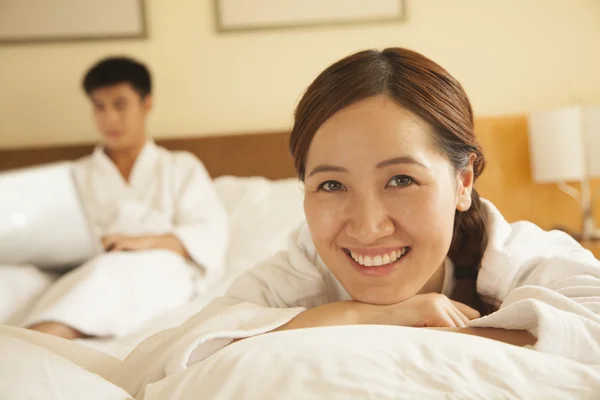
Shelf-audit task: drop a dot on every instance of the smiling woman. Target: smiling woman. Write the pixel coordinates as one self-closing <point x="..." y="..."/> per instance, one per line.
<point x="385" y="146"/>
<point x="415" y="119"/>
<point x="392" y="191"/>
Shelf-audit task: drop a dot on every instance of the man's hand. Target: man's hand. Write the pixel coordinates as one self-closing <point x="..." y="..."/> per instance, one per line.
<point x="138" y="243"/>
<point x="127" y="243"/>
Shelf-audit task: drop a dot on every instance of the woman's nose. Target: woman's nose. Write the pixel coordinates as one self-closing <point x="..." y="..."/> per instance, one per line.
<point x="369" y="220"/>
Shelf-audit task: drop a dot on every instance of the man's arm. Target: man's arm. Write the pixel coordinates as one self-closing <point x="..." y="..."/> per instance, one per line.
<point x="514" y="337"/>
<point x="137" y="243"/>
<point x="170" y="242"/>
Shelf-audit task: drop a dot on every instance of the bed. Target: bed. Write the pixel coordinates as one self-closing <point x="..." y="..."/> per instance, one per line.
<point x="254" y="177"/>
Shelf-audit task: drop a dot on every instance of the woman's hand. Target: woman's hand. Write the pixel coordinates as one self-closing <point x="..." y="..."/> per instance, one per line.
<point x="421" y="310"/>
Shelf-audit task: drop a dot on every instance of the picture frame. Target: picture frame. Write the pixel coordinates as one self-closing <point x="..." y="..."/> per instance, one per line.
<point x="43" y="21"/>
<point x="253" y="15"/>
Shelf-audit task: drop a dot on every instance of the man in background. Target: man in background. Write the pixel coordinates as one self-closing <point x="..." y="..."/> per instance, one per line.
<point x="161" y="223"/>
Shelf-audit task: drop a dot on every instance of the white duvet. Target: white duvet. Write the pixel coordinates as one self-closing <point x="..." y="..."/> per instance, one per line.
<point x="39" y="366"/>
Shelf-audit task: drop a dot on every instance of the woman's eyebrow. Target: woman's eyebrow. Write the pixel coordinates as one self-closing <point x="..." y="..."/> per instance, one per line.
<point x="327" y="168"/>
<point x="382" y="164"/>
<point x="400" y="160"/>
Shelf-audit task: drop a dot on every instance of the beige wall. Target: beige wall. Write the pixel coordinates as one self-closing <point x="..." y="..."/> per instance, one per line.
<point x="512" y="56"/>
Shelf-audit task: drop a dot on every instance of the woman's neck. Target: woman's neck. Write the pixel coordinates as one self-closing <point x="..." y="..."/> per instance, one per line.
<point x="435" y="284"/>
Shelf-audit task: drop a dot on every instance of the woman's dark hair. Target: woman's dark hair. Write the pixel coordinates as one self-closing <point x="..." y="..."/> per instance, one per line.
<point x="114" y="70"/>
<point x="423" y="87"/>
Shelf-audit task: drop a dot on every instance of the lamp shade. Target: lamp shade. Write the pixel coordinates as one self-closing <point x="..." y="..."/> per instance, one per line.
<point x="556" y="145"/>
<point x="591" y="128"/>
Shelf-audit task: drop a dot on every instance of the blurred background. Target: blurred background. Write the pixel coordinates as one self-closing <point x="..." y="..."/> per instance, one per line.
<point x="512" y="56"/>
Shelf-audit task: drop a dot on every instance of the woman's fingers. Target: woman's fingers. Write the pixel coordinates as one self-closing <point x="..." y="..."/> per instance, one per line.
<point x="445" y="319"/>
<point x="465" y="319"/>
<point x="467" y="311"/>
<point x="457" y="317"/>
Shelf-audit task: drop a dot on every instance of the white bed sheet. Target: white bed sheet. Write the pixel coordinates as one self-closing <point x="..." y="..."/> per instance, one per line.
<point x="38" y="366"/>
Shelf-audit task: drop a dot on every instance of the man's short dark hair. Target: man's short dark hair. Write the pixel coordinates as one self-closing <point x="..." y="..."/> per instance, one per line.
<point x="115" y="70"/>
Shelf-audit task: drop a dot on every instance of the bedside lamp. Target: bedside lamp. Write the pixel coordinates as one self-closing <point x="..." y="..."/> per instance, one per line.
<point x="565" y="147"/>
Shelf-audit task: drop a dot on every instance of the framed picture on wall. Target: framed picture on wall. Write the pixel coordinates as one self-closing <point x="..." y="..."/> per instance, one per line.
<point x="34" y="21"/>
<point x="242" y="15"/>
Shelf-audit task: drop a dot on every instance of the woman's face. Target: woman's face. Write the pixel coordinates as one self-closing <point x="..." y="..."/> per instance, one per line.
<point x="380" y="199"/>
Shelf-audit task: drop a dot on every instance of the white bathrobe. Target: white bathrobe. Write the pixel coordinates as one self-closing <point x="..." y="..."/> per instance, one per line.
<point x="168" y="192"/>
<point x="544" y="282"/>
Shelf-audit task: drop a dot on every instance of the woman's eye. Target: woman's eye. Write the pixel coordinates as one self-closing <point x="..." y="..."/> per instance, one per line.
<point x="331" y="186"/>
<point x="400" y="181"/>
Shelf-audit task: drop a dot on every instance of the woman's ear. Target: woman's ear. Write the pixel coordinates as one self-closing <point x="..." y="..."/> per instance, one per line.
<point x="466" y="178"/>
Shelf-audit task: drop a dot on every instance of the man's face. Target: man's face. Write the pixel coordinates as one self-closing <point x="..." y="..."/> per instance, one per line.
<point x="120" y="115"/>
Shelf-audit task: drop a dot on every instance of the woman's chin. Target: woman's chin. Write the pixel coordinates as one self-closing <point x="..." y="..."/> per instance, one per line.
<point x="375" y="296"/>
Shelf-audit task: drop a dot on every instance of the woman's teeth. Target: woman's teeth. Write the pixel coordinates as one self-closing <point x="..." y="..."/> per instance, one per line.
<point x="378" y="260"/>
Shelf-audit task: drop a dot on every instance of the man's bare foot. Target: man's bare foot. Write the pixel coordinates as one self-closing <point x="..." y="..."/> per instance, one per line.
<point x="57" y="329"/>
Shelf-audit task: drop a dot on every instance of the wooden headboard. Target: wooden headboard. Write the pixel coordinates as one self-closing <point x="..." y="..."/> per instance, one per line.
<point x="506" y="181"/>
<point x="257" y="154"/>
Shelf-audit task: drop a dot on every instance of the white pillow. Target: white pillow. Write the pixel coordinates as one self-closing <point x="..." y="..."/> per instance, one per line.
<point x="262" y="213"/>
<point x="377" y="362"/>
<point x="31" y="369"/>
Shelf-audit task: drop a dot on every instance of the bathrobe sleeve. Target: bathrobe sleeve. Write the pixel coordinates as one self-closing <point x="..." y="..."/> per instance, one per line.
<point x="200" y="220"/>
<point x="543" y="282"/>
